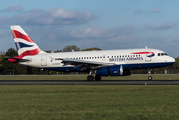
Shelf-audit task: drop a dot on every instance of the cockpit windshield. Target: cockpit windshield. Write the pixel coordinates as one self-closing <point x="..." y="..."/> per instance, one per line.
<point x="163" y="54"/>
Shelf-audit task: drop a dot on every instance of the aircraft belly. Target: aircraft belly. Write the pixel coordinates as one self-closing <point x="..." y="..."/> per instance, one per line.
<point x="149" y="65"/>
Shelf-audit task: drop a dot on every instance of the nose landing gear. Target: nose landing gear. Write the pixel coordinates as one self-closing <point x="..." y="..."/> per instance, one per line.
<point x="150" y="78"/>
<point x="149" y="72"/>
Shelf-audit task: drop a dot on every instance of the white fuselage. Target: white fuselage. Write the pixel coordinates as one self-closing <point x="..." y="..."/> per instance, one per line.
<point x="133" y="58"/>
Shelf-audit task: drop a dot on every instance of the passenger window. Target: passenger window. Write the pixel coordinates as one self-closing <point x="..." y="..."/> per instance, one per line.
<point x="158" y="54"/>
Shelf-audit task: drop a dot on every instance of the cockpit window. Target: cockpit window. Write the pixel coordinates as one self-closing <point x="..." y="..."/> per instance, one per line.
<point x="163" y="54"/>
<point x="166" y="54"/>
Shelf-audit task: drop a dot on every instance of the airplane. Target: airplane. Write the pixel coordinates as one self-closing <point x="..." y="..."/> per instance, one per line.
<point x="101" y="63"/>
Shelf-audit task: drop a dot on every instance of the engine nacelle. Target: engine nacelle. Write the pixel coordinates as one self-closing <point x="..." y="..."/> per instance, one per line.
<point x="116" y="70"/>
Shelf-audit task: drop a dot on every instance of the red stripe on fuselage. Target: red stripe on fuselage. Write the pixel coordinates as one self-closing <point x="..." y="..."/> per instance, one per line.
<point x="143" y="53"/>
<point x="17" y="34"/>
<point x="30" y="52"/>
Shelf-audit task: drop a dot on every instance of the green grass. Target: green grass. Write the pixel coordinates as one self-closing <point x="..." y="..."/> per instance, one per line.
<point x="84" y="77"/>
<point x="71" y="102"/>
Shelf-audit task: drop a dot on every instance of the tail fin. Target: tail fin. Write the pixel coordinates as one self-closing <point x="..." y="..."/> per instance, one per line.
<point x="24" y="44"/>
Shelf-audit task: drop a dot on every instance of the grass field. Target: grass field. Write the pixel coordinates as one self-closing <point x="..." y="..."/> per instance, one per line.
<point x="84" y="77"/>
<point x="71" y="102"/>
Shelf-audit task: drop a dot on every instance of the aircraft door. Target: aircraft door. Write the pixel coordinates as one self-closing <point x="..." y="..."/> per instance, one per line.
<point x="148" y="55"/>
<point x="44" y="60"/>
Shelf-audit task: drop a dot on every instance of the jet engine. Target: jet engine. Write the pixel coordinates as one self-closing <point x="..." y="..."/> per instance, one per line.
<point x="116" y="70"/>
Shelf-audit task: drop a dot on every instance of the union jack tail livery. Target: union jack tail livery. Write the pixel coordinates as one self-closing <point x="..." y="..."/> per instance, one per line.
<point x="24" y="44"/>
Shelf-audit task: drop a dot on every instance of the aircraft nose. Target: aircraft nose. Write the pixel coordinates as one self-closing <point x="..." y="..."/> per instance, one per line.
<point x="172" y="60"/>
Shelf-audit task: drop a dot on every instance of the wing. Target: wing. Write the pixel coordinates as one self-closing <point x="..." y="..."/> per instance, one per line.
<point x="84" y="64"/>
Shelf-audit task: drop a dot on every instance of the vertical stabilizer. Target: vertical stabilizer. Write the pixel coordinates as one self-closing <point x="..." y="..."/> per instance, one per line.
<point x="24" y="44"/>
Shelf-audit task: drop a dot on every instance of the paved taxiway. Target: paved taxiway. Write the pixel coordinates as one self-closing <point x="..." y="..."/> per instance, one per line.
<point x="85" y="82"/>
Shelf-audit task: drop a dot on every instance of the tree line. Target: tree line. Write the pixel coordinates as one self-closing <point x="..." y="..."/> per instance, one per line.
<point x="8" y="68"/>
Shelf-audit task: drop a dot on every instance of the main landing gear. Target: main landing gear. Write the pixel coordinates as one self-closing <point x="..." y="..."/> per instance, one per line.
<point x="91" y="78"/>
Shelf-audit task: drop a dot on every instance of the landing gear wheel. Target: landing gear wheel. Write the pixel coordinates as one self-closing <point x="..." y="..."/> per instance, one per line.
<point x="150" y="77"/>
<point x="97" y="78"/>
<point x="90" y="78"/>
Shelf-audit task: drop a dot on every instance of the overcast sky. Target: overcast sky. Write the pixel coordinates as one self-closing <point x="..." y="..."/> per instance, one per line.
<point x="107" y="24"/>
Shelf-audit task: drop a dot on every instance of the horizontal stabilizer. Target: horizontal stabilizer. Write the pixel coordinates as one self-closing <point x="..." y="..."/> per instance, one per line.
<point x="17" y="59"/>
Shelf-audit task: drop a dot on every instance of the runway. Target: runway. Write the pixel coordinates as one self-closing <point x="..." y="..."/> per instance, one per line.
<point x="85" y="82"/>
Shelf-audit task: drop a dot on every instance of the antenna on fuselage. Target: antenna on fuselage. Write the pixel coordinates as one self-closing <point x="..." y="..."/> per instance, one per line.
<point x="72" y="50"/>
<point x="146" y="47"/>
